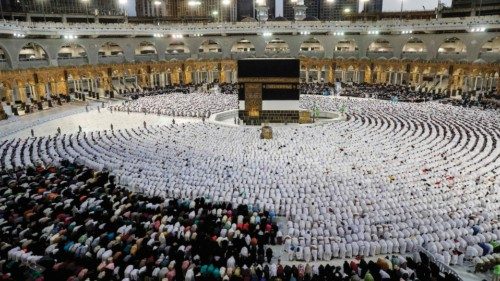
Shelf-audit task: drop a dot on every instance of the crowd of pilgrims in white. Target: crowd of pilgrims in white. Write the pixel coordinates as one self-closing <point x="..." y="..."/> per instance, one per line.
<point x="392" y="177"/>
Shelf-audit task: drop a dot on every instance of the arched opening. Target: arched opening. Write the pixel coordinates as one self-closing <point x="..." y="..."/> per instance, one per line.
<point x="452" y="46"/>
<point x="145" y="48"/>
<point x="72" y="50"/>
<point x="111" y="53"/>
<point x="414" y="45"/>
<point x="146" y="51"/>
<point x="380" y="46"/>
<point x="492" y="46"/>
<point x="210" y="46"/>
<point x="311" y="45"/>
<point x="110" y="49"/>
<point x="71" y="54"/>
<point x="348" y="45"/>
<point x="4" y="60"/>
<point x="277" y="46"/>
<point x="32" y="52"/>
<point x="177" y="48"/>
<point x="243" y="46"/>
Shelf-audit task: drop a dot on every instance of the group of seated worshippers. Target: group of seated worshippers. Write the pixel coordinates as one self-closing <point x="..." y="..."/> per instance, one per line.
<point x="224" y="88"/>
<point x="316" y="88"/>
<point x="69" y="222"/>
<point x="365" y="90"/>
<point x="185" y="105"/>
<point x="388" y="92"/>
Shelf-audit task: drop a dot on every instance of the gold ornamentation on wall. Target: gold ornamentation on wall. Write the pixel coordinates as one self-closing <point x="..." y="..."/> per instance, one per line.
<point x="253" y="99"/>
<point x="57" y="77"/>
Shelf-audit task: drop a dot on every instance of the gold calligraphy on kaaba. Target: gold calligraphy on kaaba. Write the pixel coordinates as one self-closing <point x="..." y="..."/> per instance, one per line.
<point x="253" y="99"/>
<point x="278" y="86"/>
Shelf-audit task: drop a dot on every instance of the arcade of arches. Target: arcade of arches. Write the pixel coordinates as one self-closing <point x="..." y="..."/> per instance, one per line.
<point x="19" y="85"/>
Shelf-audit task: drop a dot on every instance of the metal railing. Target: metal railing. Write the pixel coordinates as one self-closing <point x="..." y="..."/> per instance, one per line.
<point x="442" y="266"/>
<point x="392" y="25"/>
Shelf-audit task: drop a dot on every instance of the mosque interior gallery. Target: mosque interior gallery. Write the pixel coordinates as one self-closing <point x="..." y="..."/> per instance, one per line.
<point x="221" y="141"/>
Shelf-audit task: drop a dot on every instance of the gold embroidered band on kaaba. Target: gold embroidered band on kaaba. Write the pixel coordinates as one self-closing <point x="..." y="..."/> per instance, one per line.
<point x="268" y="80"/>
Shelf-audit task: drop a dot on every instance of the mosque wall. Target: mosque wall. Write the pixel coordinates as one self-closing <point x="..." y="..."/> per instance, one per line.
<point x="35" y="83"/>
<point x="125" y="49"/>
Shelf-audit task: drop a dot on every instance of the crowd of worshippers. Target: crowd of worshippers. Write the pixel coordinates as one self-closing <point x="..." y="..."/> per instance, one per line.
<point x="224" y="88"/>
<point x="482" y="100"/>
<point x="365" y="90"/>
<point x="69" y="222"/>
<point x="177" y="104"/>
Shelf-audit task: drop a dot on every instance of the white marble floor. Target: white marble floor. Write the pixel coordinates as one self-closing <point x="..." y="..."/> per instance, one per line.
<point x="69" y="118"/>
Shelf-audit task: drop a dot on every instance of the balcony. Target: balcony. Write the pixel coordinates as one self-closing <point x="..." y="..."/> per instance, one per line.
<point x="377" y="55"/>
<point x="72" y="61"/>
<point x="345" y="54"/>
<point x="210" y="55"/>
<point x="490" y="57"/>
<point x="312" y="54"/>
<point x="146" y="57"/>
<point x="33" y="63"/>
<point x="414" y="55"/>
<point x="4" y="65"/>
<point x="177" y="56"/>
<point x="451" y="56"/>
<point x="242" y="55"/>
<point x="111" y="59"/>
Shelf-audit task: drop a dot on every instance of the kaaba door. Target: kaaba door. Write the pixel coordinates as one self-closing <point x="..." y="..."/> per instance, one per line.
<point x="253" y="99"/>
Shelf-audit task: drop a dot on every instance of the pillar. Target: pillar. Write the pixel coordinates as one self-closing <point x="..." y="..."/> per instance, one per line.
<point x="331" y="75"/>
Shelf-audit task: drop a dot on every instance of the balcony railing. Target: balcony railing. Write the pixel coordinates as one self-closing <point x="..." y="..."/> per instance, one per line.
<point x="112" y="59"/>
<point x="72" y="61"/>
<point x="389" y="25"/>
<point x="146" y="57"/>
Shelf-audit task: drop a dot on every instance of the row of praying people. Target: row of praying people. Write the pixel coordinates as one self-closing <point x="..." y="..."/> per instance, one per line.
<point x="389" y="179"/>
<point x="68" y="222"/>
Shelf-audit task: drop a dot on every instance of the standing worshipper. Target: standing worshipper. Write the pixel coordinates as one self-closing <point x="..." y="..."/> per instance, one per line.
<point x="79" y="128"/>
<point x="144" y="123"/>
<point x="111" y="127"/>
<point x="58" y="130"/>
<point x="32" y="133"/>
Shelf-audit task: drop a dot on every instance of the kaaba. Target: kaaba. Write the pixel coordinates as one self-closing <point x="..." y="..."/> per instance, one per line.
<point x="268" y="91"/>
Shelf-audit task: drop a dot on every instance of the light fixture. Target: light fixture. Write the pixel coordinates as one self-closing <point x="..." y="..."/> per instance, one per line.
<point x="177" y="36"/>
<point x="478" y="29"/>
<point x="226" y="2"/>
<point x="193" y="3"/>
<point x="267" y="34"/>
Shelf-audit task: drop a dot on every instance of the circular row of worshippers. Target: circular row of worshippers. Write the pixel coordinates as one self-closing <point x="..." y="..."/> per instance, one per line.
<point x="438" y="236"/>
<point x="72" y="223"/>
